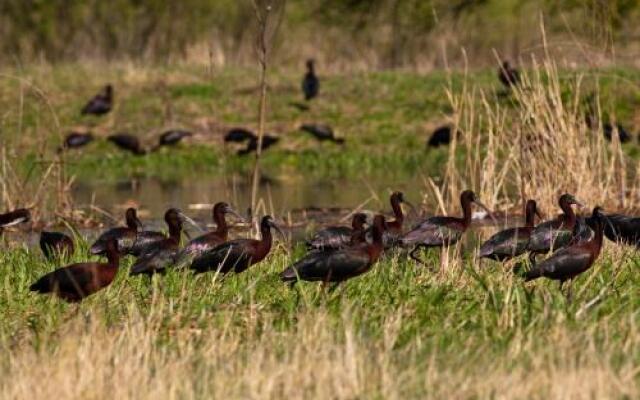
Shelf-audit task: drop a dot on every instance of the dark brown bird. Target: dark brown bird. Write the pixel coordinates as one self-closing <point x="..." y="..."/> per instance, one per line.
<point x="513" y="242"/>
<point x="159" y="255"/>
<point x="237" y="255"/>
<point x="145" y="240"/>
<point x="267" y="141"/>
<point x="211" y="239"/>
<point x="14" y="217"/>
<point x="556" y="233"/>
<point x="127" y="142"/>
<point x="441" y="136"/>
<point x="310" y="82"/>
<point x="77" y="281"/>
<point x="125" y="236"/>
<point x="394" y="228"/>
<point x="571" y="261"/>
<point x="620" y="228"/>
<point x="337" y="237"/>
<point x="75" y="140"/>
<point x="508" y="75"/>
<point x="441" y="231"/>
<point x="239" y="135"/>
<point x="101" y="103"/>
<point x="56" y="245"/>
<point x="340" y="264"/>
<point x="173" y="137"/>
<point x="322" y="132"/>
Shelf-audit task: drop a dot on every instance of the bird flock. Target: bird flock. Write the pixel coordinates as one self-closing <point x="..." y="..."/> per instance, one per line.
<point x="569" y="243"/>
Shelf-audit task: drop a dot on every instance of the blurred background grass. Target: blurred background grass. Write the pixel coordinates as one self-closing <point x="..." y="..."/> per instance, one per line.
<point x="369" y="34"/>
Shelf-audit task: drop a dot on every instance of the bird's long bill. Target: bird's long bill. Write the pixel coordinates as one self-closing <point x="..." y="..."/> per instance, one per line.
<point x="579" y="203"/>
<point x="413" y="208"/>
<point x="191" y="222"/>
<point x="277" y="228"/>
<point x="539" y="214"/>
<point x="237" y="215"/>
<point x="489" y="212"/>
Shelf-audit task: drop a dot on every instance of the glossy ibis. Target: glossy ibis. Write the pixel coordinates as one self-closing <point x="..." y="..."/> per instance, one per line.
<point x="338" y="265"/>
<point x="125" y="236"/>
<point x="441" y="136"/>
<point x="393" y="231"/>
<point x="336" y="237"/>
<point x="127" y="142"/>
<point x="608" y="130"/>
<point x="159" y="255"/>
<point x="145" y="240"/>
<point x="267" y="141"/>
<point x="55" y="245"/>
<point x="321" y="132"/>
<point x="237" y="255"/>
<point x="173" y="137"/>
<point x="569" y="262"/>
<point x="211" y="239"/>
<point x="441" y="231"/>
<point x="239" y="135"/>
<point x="101" y="103"/>
<point x="555" y="233"/>
<point x="620" y="228"/>
<point x="75" y="140"/>
<point x="14" y="217"/>
<point x="513" y="242"/>
<point x="508" y="75"/>
<point x="77" y="281"/>
<point x="310" y="82"/>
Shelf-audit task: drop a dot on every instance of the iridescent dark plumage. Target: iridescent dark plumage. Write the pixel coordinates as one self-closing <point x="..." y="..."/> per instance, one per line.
<point x="161" y="254"/>
<point x="567" y="263"/>
<point x="55" y="245"/>
<point x="508" y="75"/>
<point x="127" y="142"/>
<point x="336" y="237"/>
<point x="145" y="240"/>
<point x="101" y="103"/>
<point x="267" y="141"/>
<point x="237" y="255"/>
<point x="441" y="231"/>
<point x="322" y="132"/>
<point x="75" y="140"/>
<point x="77" y="281"/>
<point x="556" y="233"/>
<point x="125" y="236"/>
<point x="512" y="242"/>
<point x="440" y="136"/>
<point x="14" y="217"/>
<point x="341" y="264"/>
<point x="173" y="137"/>
<point x="620" y="228"/>
<point x="310" y="82"/>
<point x="239" y="135"/>
<point x="209" y="240"/>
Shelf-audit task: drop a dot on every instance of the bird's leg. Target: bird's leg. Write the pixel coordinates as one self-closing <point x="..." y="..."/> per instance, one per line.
<point x="569" y="291"/>
<point x="415" y="257"/>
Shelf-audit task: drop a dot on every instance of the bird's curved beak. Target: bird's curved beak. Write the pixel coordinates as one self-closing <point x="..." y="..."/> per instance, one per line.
<point x="489" y="212"/>
<point x="413" y="208"/>
<point x="578" y="203"/>
<point x="539" y="214"/>
<point x="277" y="228"/>
<point x="190" y="221"/>
<point x="233" y="212"/>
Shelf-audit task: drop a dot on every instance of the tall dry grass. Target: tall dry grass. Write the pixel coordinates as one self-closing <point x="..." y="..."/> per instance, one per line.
<point x="534" y="142"/>
<point x="318" y="359"/>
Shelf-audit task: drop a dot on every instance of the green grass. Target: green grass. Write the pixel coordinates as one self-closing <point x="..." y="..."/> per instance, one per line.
<point x="386" y="117"/>
<point x="463" y="321"/>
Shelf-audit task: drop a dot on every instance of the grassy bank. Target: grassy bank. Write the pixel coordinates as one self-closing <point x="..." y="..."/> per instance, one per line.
<point x="401" y="331"/>
<point x="386" y="117"/>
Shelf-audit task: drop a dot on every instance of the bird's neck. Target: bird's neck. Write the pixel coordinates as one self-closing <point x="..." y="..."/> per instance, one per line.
<point x="397" y="212"/>
<point x="175" y="232"/>
<point x="264" y="244"/>
<point x="221" y="224"/>
<point x="530" y="218"/>
<point x="569" y="215"/>
<point x="113" y="258"/>
<point x="466" y="214"/>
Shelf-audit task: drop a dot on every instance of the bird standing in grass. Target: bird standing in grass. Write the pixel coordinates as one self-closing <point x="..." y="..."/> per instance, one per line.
<point x="310" y="82"/>
<point x="569" y="262"/>
<point x="513" y="242"/>
<point x="161" y="254"/>
<point x="340" y="264"/>
<point x="77" y="281"/>
<point x="55" y="245"/>
<point x="101" y="103"/>
<point x="125" y="235"/>
<point x="237" y="255"/>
